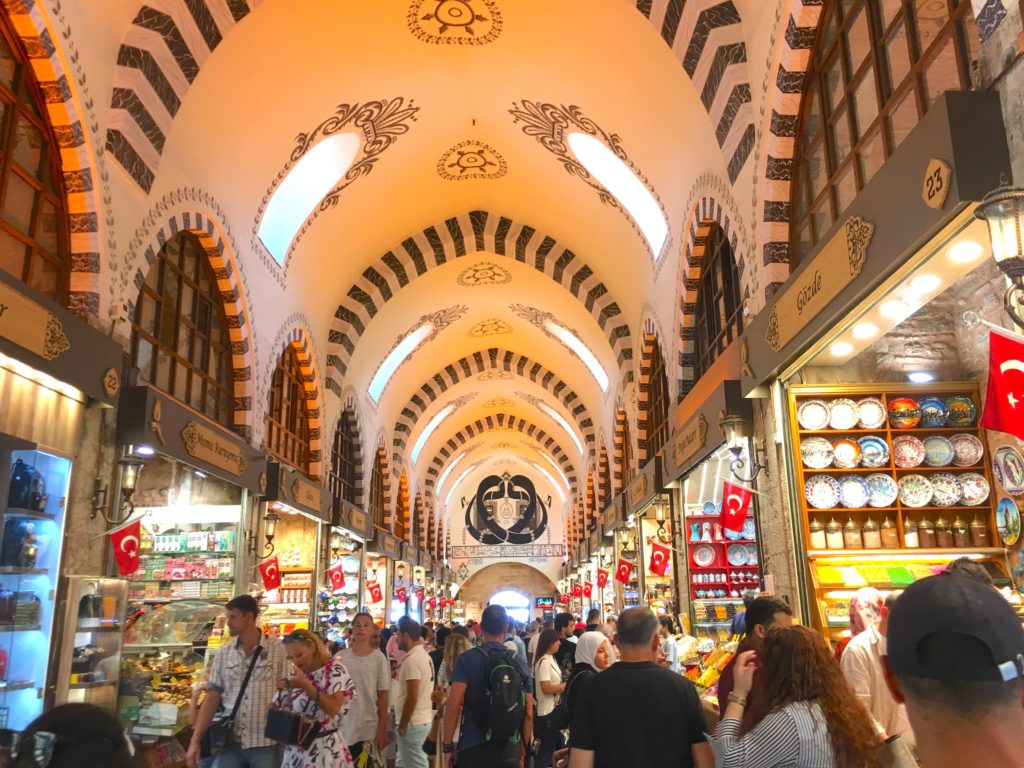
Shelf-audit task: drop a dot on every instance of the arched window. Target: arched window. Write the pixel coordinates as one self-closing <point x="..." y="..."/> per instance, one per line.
<point x="657" y="403"/>
<point x="345" y="480"/>
<point x="417" y="522"/>
<point x="719" y="314"/>
<point x="34" y="242"/>
<point x="180" y="340"/>
<point x="377" y="491"/>
<point x="591" y="509"/>
<point x="624" y="456"/>
<point x="287" y="420"/>
<point x="402" y="511"/>
<point x="605" y="475"/>
<point x="877" y="66"/>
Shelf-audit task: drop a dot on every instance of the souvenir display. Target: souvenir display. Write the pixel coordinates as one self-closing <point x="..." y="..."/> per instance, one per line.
<point x="874" y="451"/>
<point x="843" y="414"/>
<point x="1008" y="521"/>
<point x="938" y="451"/>
<point x="817" y="534"/>
<point x="749" y="529"/>
<point x="1009" y="467"/>
<point x="704" y="556"/>
<point x="813" y="415"/>
<point x="872" y="535"/>
<point x="846" y="453"/>
<point x="890" y="535"/>
<point x="834" y="535"/>
<point x="915" y="491"/>
<point x="933" y="413"/>
<point x="974" y="489"/>
<point x="962" y="411"/>
<point x="871" y="413"/>
<point x="882" y="490"/>
<point x="816" y="453"/>
<point x="904" y="413"/>
<point x="967" y="449"/>
<point x="736" y="554"/>
<point x="853" y="492"/>
<point x="852" y="538"/>
<point x="910" y="539"/>
<point x="709" y="508"/>
<point x="907" y="451"/>
<point x="945" y="489"/>
<point x="822" y="492"/>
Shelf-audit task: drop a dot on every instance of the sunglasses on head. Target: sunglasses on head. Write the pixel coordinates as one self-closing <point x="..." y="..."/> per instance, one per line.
<point x="39" y="746"/>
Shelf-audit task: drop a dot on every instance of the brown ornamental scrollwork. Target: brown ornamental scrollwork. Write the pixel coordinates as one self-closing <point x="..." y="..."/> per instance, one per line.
<point x="454" y="22"/>
<point x="771" y="334"/>
<point x="56" y="342"/>
<point x="484" y="273"/>
<point x="858" y="237"/>
<point x="492" y="326"/>
<point x="471" y="160"/>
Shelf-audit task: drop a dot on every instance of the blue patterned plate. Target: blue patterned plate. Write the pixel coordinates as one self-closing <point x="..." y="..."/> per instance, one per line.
<point x="938" y="451"/>
<point x="882" y="490"/>
<point x="822" y="492"/>
<point x="853" y="491"/>
<point x="933" y="412"/>
<point x="874" y="451"/>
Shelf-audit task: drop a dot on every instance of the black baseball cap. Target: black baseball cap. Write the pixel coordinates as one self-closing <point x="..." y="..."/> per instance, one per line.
<point x="950" y="627"/>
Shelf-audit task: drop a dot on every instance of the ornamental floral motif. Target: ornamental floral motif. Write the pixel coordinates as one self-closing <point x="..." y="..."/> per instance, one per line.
<point x="541" y="318"/>
<point x="771" y="334"/>
<point x="471" y="160"/>
<point x="492" y="326"/>
<point x="454" y="22"/>
<point x="56" y="342"/>
<point x="858" y="237"/>
<point x="499" y="402"/>
<point x="495" y="375"/>
<point x="484" y="273"/>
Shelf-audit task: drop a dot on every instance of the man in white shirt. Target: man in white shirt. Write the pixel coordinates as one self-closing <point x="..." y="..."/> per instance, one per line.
<point x="861" y="663"/>
<point x="413" y="706"/>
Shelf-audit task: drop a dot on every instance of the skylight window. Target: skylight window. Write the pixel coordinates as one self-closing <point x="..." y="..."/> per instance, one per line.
<point x="568" y="338"/>
<point x="429" y="430"/>
<point x="562" y="422"/>
<point x="557" y="487"/>
<point x="303" y="188"/>
<point x="444" y="475"/>
<point x="558" y="469"/>
<point x="619" y="179"/>
<point x="455" y="485"/>
<point x="396" y="357"/>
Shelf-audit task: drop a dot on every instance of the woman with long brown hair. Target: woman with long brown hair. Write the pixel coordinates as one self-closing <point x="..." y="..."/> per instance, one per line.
<point x="804" y="715"/>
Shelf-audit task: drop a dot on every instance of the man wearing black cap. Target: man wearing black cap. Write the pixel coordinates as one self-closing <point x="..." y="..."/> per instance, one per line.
<point x="956" y="657"/>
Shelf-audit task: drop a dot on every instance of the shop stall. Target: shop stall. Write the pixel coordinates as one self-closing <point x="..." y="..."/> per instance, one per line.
<point x="600" y="554"/>
<point x="338" y="597"/>
<point x="876" y="374"/>
<point x="614" y="526"/>
<point x="654" y="551"/>
<point x="303" y="509"/>
<point x="403" y="583"/>
<point x="382" y="554"/>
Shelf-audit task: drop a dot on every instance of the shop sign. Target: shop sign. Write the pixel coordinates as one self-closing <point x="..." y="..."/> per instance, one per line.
<point x="935" y="187"/>
<point x="206" y="445"/>
<point x="690" y="440"/>
<point x="638" y="490"/>
<point x="357" y="520"/>
<point x="595" y="541"/>
<point x="837" y="264"/>
<point x="307" y="494"/>
<point x="387" y="545"/>
<point x="31" y="325"/>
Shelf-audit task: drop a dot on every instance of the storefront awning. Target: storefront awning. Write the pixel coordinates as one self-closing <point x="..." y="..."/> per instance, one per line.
<point x="645" y="486"/>
<point x="290" y="487"/>
<point x="701" y="434"/>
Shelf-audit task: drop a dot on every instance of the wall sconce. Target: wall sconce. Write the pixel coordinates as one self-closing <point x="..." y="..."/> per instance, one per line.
<point x="734" y="429"/>
<point x="1003" y="210"/>
<point x="270" y="521"/>
<point x="130" y="470"/>
<point x="400" y="572"/>
<point x="335" y="542"/>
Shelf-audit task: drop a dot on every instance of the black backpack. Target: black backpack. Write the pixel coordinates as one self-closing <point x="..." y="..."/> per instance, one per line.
<point x="502" y="708"/>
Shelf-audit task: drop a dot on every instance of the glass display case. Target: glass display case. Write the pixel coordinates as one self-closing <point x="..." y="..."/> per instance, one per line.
<point x="164" y="653"/>
<point x="625" y="541"/>
<point x="339" y="606"/>
<point x="377" y="586"/>
<point x="89" y="658"/>
<point x="290" y="606"/>
<point x="30" y="554"/>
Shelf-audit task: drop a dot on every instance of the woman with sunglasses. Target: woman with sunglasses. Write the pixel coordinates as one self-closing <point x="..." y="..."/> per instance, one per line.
<point x="318" y="687"/>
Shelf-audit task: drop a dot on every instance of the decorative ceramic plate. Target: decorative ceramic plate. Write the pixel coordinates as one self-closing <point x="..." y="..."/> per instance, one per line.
<point x="962" y="411"/>
<point x="708" y="508"/>
<point x="1010" y="465"/>
<point x="843" y="414"/>
<point x="974" y="489"/>
<point x="813" y="414"/>
<point x="751" y="554"/>
<point x="874" y="451"/>
<point x="933" y="412"/>
<point x="846" y="453"/>
<point x="945" y="489"/>
<point x="938" y="451"/>
<point x="882" y="490"/>
<point x="904" y="413"/>
<point x="854" y="492"/>
<point x="816" y="452"/>
<point x="350" y="564"/>
<point x="915" y="490"/>
<point x="907" y="451"/>
<point x="733" y="535"/>
<point x="871" y="413"/>
<point x="736" y="554"/>
<point x="967" y="449"/>
<point x="703" y="555"/>
<point x="750" y="529"/>
<point x="822" y="492"/>
<point x="1008" y="521"/>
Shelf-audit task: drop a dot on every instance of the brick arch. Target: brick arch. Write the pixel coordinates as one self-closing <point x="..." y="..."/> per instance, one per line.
<point x="158" y="60"/>
<point x="298" y="338"/>
<point x="465" y="235"/>
<point x="403" y="511"/>
<point x="604" y="477"/>
<point x="77" y="154"/>
<point x="233" y="298"/>
<point x="492" y="358"/>
<point x="350" y="411"/>
<point x="706" y="36"/>
<point x="380" y="454"/>
<point x="623" y="439"/>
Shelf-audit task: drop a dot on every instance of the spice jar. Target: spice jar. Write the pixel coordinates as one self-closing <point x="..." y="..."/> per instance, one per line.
<point x="926" y="533"/>
<point x="979" y="533"/>
<point x="872" y="536"/>
<point x="961" y="535"/>
<point x="910" y="539"/>
<point x="852" y="538"/>
<point x="890" y="536"/>
<point x="834" y="535"/>
<point x="817" y="531"/>
<point x="943" y="533"/>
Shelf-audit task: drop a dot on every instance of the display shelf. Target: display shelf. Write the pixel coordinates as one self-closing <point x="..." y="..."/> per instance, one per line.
<point x="150" y="647"/>
<point x="181" y="552"/>
<point x="33" y="513"/>
<point x="20" y="627"/>
<point x="175" y="581"/>
<point x="904" y="553"/>
<point x="156" y="730"/>
<point x="92" y="684"/>
<point x="16" y="686"/>
<point x="7" y="570"/>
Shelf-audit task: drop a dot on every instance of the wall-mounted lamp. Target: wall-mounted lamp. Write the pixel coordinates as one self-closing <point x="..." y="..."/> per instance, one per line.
<point x="734" y="429"/>
<point x="1003" y="210"/>
<point x="335" y="542"/>
<point x="400" y="572"/>
<point x="130" y="469"/>
<point x="270" y="521"/>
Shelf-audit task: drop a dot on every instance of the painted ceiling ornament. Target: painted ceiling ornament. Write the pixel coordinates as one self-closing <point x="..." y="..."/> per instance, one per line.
<point x="551" y="124"/>
<point x="499" y="402"/>
<point x="506" y="510"/>
<point x="454" y="22"/>
<point x="491" y="326"/>
<point x="484" y="273"/>
<point x="540" y="318"/>
<point x="463" y="572"/>
<point x="495" y="375"/>
<point x="440" y="319"/>
<point x="471" y="160"/>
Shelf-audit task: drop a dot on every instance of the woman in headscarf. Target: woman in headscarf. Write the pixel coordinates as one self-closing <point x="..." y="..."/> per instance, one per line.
<point x="593" y="653"/>
<point x="865" y="611"/>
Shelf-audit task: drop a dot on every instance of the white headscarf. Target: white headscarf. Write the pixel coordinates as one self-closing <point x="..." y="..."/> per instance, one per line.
<point x="588" y="646"/>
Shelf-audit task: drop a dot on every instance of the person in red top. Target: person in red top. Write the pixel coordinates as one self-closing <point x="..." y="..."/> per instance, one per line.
<point x="762" y="614"/>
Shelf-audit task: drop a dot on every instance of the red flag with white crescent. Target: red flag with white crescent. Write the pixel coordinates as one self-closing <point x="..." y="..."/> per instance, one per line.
<point x="577" y="590"/>
<point x="419" y="594"/>
<point x="735" y="503"/>
<point x="1004" y="405"/>
<point x="376" y="593"/>
<point x="660" y="558"/>
<point x="401" y="594"/>
<point x="588" y="589"/>
<point x="602" y="578"/>
<point x="563" y="599"/>
<point x="433" y="603"/>
<point x="270" y="572"/>
<point x="337" y="577"/>
<point x="622" y="572"/>
<point x="126" y="548"/>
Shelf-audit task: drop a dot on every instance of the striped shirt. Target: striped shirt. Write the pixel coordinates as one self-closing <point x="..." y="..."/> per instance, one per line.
<point x="793" y="736"/>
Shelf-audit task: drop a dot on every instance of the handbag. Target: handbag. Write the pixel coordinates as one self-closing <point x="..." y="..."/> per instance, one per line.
<point x="558" y="718"/>
<point x="221" y="733"/>
<point x="433" y="736"/>
<point x="293" y="728"/>
<point x="896" y="753"/>
<point x="370" y="757"/>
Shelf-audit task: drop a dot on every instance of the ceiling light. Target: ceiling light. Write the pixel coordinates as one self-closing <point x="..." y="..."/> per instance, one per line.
<point x="396" y="357"/>
<point x="921" y="377"/>
<point x="568" y="338"/>
<point x="303" y="188"/>
<point x="619" y="179"/>
<point x="966" y="251"/>
<point x="864" y="330"/>
<point x="429" y="430"/>
<point x="895" y="310"/>
<point x="562" y="422"/>
<point x="143" y="450"/>
<point x="841" y="349"/>
<point x="925" y="284"/>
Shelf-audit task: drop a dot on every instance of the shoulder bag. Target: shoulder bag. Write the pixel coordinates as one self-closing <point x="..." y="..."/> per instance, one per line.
<point x="221" y="732"/>
<point x="292" y="728"/>
<point x="558" y="719"/>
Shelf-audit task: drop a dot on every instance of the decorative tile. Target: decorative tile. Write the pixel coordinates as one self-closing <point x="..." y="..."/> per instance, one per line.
<point x="454" y="22"/>
<point x="471" y="160"/>
<point x="492" y="326"/>
<point x="484" y="273"/>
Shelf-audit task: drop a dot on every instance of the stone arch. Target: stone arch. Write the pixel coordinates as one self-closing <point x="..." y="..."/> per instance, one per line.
<point x="380" y="455"/>
<point x="492" y="358"/>
<point x="706" y="36"/>
<point x="604" y="476"/>
<point x="297" y="337"/>
<point x="625" y="448"/>
<point x="77" y="155"/>
<point x="403" y="508"/>
<point x="350" y="412"/>
<point x="465" y="235"/>
<point x="480" y="585"/>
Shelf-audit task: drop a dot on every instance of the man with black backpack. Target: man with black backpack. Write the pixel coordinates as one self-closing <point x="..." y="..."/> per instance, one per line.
<point x="490" y="696"/>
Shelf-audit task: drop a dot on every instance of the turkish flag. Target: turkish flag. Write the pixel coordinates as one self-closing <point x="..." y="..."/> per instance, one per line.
<point x="376" y="593"/>
<point x="563" y="599"/>
<point x="577" y="590"/>
<point x="419" y="594"/>
<point x="401" y="594"/>
<point x="736" y="502"/>
<point x="126" y="548"/>
<point x="602" y="578"/>
<point x="337" y="577"/>
<point x="432" y="603"/>
<point x="270" y="571"/>
<point x="588" y="589"/>
<point x="623" y="570"/>
<point x="1004" y="406"/>
<point x="660" y="558"/>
